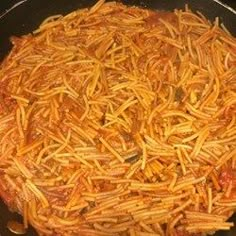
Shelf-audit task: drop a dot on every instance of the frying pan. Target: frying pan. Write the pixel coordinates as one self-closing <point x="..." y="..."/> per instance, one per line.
<point x="26" y="15"/>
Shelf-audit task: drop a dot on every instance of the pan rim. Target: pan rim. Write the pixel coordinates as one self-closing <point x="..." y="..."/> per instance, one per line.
<point x="18" y="4"/>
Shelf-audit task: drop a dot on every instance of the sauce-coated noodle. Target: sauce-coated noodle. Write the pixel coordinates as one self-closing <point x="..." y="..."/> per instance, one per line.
<point x="117" y="120"/>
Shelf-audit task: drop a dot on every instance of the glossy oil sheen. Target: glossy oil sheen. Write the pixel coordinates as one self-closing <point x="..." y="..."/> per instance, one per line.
<point x="27" y="16"/>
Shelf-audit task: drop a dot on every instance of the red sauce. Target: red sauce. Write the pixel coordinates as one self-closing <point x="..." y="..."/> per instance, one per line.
<point x="6" y="102"/>
<point x="4" y="195"/>
<point x="153" y="19"/>
<point x="185" y="233"/>
<point x="229" y="111"/>
<point x="226" y="176"/>
<point x="1" y="108"/>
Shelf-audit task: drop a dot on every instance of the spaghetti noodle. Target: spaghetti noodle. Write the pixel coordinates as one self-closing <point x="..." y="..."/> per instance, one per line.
<point x="118" y="120"/>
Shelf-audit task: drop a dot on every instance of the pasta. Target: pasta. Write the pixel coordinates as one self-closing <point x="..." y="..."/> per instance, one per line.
<point x="117" y="120"/>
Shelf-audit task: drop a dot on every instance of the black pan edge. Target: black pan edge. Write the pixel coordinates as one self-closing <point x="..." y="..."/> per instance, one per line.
<point x="24" y="16"/>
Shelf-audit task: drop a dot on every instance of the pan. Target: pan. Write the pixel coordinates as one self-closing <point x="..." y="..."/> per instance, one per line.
<point x="26" y="15"/>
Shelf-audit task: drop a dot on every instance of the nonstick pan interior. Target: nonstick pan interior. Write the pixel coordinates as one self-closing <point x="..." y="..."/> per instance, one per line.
<point x="27" y="16"/>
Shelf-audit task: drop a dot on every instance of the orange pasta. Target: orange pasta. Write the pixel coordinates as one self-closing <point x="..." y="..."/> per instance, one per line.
<point x="118" y="120"/>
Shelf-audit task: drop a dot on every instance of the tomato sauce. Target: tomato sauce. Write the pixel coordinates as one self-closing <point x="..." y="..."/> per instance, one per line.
<point x="6" y="102"/>
<point x="4" y="195"/>
<point x="226" y="176"/>
<point x="185" y="233"/>
<point x="153" y="19"/>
